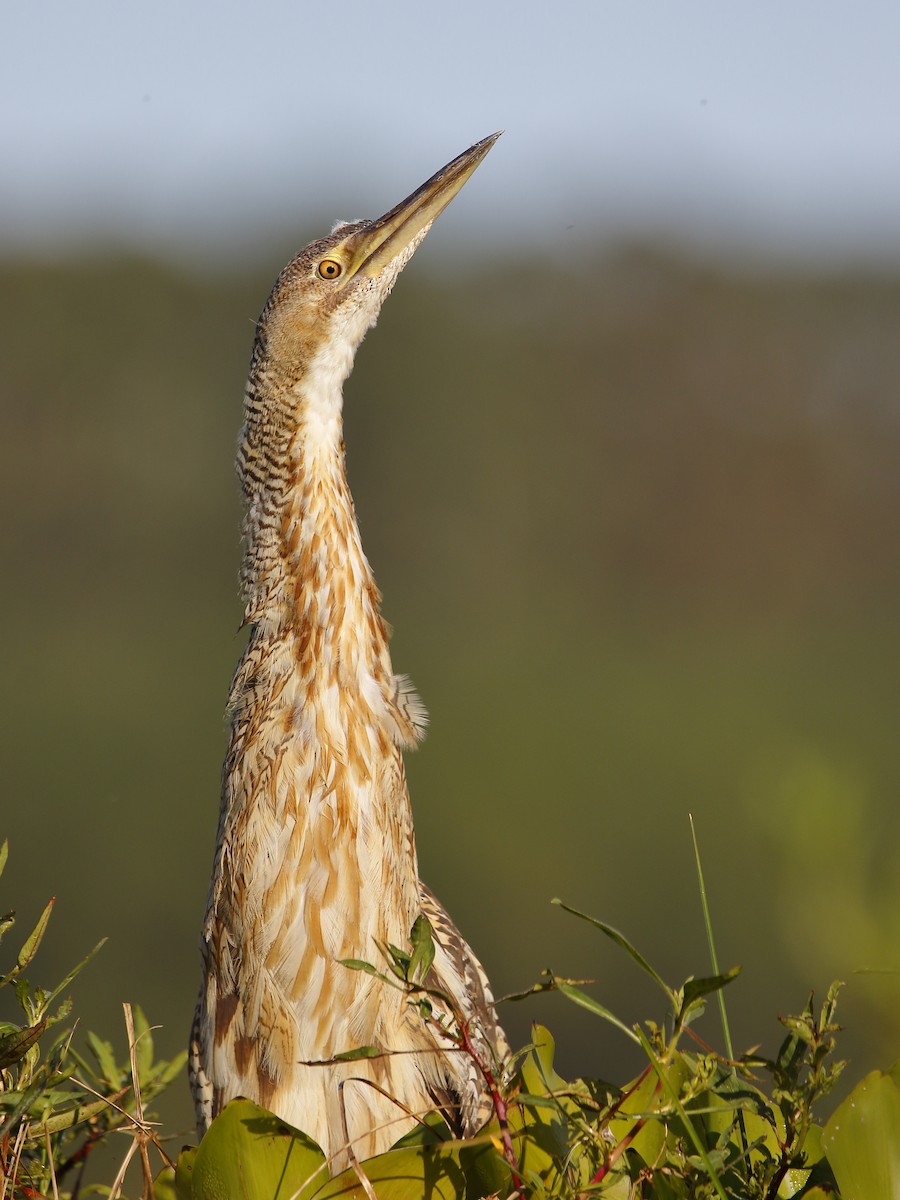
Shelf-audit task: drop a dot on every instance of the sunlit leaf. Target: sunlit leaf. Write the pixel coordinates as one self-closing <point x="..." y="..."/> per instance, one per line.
<point x="184" y="1173"/>
<point x="862" y="1140"/>
<point x="249" y="1154"/>
<point x="165" y="1187"/>
<point x="406" y="1174"/>
<point x="30" y="947"/>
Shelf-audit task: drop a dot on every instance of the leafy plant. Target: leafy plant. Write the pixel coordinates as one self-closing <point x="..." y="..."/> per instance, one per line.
<point x="56" y="1104"/>
<point x="695" y="1124"/>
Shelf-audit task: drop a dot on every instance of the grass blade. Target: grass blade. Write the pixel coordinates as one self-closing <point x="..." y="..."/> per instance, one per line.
<point x="713" y="957"/>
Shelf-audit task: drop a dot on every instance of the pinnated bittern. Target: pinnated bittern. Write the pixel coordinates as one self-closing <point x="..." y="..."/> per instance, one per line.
<point x="316" y="858"/>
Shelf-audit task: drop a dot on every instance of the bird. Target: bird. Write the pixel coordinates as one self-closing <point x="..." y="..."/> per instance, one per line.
<point x="315" y="859"/>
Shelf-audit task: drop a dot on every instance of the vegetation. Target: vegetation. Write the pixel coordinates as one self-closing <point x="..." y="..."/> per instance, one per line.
<point x="695" y="1124"/>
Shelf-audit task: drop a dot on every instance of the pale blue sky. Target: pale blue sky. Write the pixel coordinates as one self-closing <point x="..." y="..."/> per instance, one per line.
<point x="212" y="125"/>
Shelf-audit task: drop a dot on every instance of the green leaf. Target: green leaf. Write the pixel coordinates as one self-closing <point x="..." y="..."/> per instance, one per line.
<point x="422" y="949"/>
<point x="359" y="964"/>
<point x="165" y="1187"/>
<point x="249" y="1154"/>
<point x="359" y="1052"/>
<point x="407" y="1174"/>
<point x="143" y="1043"/>
<point x="61" y="987"/>
<point x="184" y="1173"/>
<point x="167" y="1071"/>
<point x="577" y="996"/>
<point x="862" y="1140"/>
<point x="29" y="949"/>
<point x="106" y="1060"/>
<point x="4" y="854"/>
<point x="538" y="1073"/>
<point x="14" y="1046"/>
<point x="431" y="1130"/>
<point x="694" y="988"/>
<point x="621" y="940"/>
<point x="692" y="1133"/>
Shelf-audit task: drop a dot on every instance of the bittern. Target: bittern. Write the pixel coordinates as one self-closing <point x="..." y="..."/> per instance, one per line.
<point x="315" y="859"/>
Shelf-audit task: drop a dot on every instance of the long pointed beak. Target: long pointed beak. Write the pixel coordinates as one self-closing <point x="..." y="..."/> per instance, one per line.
<point x="391" y="234"/>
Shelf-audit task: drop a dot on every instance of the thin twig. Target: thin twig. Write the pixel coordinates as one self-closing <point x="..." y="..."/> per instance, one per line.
<point x="49" y="1147"/>
<point x="348" y="1145"/>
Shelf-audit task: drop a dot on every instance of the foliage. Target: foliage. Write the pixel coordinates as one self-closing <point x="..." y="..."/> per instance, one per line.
<point x="696" y="1124"/>
<point x="56" y="1104"/>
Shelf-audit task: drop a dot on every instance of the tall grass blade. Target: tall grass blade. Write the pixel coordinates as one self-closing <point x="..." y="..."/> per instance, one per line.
<point x="707" y="921"/>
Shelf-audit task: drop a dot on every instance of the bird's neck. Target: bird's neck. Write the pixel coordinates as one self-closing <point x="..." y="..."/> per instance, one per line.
<point x="311" y="600"/>
<point x="305" y="573"/>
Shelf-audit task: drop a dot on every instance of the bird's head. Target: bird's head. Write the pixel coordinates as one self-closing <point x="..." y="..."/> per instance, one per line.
<point x="331" y="293"/>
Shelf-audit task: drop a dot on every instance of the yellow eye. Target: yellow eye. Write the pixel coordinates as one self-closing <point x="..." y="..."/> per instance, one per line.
<point x="329" y="268"/>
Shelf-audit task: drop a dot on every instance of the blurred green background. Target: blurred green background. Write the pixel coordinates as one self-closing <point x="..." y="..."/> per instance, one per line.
<point x="635" y="518"/>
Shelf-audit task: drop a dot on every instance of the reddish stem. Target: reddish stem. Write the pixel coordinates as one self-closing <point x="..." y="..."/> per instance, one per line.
<point x="499" y="1103"/>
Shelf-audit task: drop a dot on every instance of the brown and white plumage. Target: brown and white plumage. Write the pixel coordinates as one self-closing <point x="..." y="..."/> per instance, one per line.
<point x="316" y="859"/>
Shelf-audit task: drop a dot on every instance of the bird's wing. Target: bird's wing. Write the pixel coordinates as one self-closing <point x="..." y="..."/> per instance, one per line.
<point x="458" y="972"/>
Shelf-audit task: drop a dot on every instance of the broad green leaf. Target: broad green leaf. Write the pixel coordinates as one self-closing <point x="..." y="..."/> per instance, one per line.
<point x="431" y="1130"/>
<point x="543" y="1148"/>
<point x="862" y="1140"/>
<point x="621" y="940"/>
<point x="249" y="1154"/>
<point x="538" y="1074"/>
<point x="164" y="1186"/>
<point x="184" y="1173"/>
<point x="487" y="1171"/>
<point x="407" y="1174"/>
<point x="643" y="1100"/>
